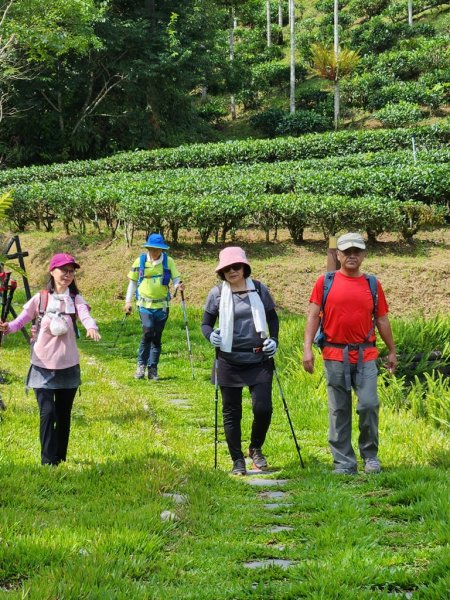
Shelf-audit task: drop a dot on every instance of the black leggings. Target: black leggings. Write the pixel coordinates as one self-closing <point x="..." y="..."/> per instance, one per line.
<point x="55" y="408"/>
<point x="232" y="414"/>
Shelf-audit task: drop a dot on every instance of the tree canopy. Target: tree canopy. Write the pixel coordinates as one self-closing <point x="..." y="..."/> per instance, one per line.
<point x="87" y="78"/>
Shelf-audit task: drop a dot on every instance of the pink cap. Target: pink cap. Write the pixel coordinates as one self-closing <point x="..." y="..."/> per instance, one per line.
<point x="231" y="256"/>
<point x="60" y="260"/>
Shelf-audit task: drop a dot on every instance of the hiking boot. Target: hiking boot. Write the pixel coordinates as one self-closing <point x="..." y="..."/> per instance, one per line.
<point x="344" y="471"/>
<point x="258" y="458"/>
<point x="372" y="465"/>
<point x="239" y="467"/>
<point x="153" y="373"/>
<point x="140" y="372"/>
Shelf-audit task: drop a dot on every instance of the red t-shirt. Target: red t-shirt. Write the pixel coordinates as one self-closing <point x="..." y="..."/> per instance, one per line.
<point x="348" y="314"/>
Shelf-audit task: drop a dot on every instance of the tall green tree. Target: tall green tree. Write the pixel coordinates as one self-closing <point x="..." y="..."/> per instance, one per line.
<point x="41" y="35"/>
<point x="121" y="81"/>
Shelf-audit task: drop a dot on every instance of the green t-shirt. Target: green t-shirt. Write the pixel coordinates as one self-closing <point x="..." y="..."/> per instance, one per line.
<point x="151" y="291"/>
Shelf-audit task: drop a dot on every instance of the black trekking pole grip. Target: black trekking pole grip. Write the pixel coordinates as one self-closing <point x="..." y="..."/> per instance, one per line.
<point x="286" y="410"/>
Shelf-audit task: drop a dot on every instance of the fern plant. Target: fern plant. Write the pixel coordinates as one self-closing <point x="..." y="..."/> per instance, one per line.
<point x="6" y="199"/>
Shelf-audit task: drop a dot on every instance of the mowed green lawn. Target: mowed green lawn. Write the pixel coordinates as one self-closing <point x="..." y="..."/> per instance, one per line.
<point x="139" y="512"/>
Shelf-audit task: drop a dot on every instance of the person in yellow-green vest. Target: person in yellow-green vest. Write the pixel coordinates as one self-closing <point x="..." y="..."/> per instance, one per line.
<point x="150" y="277"/>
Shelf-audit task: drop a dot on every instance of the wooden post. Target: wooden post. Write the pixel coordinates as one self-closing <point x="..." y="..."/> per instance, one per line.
<point x="332" y="261"/>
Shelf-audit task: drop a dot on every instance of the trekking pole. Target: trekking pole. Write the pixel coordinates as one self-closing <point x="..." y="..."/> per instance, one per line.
<point x="216" y="403"/>
<point x="287" y="414"/>
<point x="191" y="358"/>
<point x="122" y="323"/>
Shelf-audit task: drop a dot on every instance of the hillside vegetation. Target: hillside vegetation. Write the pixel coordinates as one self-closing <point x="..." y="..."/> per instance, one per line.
<point x="86" y="80"/>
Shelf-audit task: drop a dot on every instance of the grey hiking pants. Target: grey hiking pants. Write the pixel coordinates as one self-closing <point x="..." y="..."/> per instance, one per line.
<point x="340" y="412"/>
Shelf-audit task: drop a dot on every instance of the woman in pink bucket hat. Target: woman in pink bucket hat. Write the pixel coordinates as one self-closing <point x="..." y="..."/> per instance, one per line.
<point x="245" y="342"/>
<point x="54" y="374"/>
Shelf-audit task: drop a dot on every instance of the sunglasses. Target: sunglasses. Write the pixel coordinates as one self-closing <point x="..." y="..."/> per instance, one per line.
<point x="235" y="267"/>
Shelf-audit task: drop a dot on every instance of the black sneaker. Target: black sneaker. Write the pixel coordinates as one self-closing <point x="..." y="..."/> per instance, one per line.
<point x="239" y="467"/>
<point x="258" y="458"/>
<point x="153" y="373"/>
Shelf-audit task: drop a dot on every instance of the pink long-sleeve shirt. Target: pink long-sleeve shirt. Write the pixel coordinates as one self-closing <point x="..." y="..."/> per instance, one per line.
<point x="50" y="351"/>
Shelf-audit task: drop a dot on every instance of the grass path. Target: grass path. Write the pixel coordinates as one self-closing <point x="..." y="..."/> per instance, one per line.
<point x="93" y="527"/>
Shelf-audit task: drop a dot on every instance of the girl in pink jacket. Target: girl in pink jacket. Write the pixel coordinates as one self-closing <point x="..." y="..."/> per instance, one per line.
<point x="54" y="373"/>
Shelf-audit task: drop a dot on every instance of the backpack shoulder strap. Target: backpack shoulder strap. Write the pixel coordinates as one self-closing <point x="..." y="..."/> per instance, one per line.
<point x="373" y="285"/>
<point x="257" y="287"/>
<point x="73" y="316"/>
<point x="43" y="302"/>
<point x="167" y="274"/>
<point x="141" y="272"/>
<point x="327" y="283"/>
<point x="142" y="261"/>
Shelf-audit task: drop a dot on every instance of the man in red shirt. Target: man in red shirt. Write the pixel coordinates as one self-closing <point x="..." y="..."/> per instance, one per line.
<point x="350" y="354"/>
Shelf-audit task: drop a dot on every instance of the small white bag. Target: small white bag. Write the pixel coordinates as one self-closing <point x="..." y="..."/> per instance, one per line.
<point x="58" y="325"/>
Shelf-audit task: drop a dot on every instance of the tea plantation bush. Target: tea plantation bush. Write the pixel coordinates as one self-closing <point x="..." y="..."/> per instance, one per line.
<point x="308" y="146"/>
<point x="216" y="188"/>
<point x="399" y="115"/>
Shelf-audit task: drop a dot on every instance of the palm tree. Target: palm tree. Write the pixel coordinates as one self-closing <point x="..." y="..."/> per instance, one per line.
<point x="328" y="65"/>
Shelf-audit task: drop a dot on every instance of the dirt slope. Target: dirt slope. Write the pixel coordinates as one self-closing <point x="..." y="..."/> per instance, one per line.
<point x="416" y="280"/>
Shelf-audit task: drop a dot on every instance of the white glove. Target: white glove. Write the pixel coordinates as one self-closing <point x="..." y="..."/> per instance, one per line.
<point x="269" y="347"/>
<point x="215" y="338"/>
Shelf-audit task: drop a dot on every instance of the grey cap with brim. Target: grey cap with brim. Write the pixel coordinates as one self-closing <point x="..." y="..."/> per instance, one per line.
<point x="351" y="240"/>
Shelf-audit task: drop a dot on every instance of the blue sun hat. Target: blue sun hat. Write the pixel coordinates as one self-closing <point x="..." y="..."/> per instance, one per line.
<point x="156" y="240"/>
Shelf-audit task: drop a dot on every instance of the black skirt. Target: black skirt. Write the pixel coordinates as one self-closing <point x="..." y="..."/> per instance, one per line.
<point x="240" y="375"/>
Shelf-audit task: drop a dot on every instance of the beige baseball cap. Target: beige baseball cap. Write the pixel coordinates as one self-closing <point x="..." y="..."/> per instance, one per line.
<point x="351" y="240"/>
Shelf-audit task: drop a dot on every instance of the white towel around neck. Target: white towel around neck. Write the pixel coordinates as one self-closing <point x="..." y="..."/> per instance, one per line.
<point x="226" y="314"/>
<point x="54" y="303"/>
